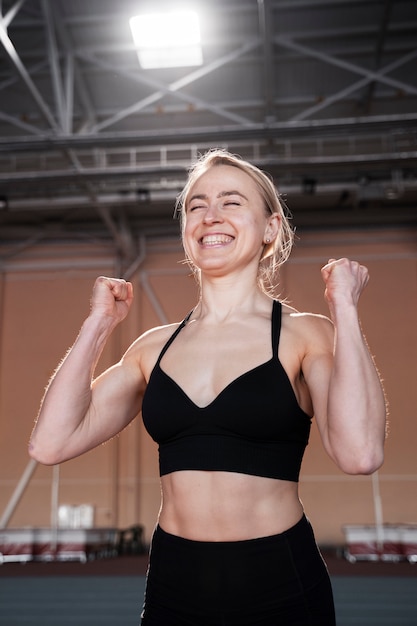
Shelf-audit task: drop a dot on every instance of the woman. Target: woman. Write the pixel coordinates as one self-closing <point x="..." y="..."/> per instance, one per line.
<point x="229" y="395"/>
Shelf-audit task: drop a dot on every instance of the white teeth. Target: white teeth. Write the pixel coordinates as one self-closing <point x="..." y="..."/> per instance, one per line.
<point x="215" y="239"/>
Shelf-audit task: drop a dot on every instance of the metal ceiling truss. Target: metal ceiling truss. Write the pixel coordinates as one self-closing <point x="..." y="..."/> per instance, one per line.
<point x="74" y="151"/>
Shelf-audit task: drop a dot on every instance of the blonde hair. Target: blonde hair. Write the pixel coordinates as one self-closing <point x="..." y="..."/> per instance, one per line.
<point x="275" y="253"/>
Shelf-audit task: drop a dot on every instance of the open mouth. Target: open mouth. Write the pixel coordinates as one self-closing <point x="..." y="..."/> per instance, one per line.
<point x="215" y="240"/>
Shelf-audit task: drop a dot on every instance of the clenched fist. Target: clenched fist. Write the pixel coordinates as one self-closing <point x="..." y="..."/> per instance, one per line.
<point x="345" y="280"/>
<point x="112" y="298"/>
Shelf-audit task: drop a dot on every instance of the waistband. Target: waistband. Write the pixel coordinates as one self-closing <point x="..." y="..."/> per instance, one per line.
<point x="290" y="534"/>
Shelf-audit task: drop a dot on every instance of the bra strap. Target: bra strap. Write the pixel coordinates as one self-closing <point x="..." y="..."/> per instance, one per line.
<point x="173" y="336"/>
<point x="276" y="326"/>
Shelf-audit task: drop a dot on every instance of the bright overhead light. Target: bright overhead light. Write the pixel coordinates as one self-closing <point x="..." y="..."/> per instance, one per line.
<point x="167" y="39"/>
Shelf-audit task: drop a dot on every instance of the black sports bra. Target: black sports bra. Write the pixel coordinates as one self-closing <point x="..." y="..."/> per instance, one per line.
<point x="254" y="426"/>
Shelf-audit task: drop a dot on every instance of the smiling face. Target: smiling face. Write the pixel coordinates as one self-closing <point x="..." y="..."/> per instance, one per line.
<point x="226" y="222"/>
<point x="255" y="191"/>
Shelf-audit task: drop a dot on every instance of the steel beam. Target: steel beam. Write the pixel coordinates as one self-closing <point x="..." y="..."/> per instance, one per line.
<point x="24" y="75"/>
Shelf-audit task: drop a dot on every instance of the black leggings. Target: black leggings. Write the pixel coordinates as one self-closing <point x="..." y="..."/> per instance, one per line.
<point x="272" y="581"/>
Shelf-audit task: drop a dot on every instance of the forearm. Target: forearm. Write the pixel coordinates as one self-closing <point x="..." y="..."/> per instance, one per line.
<point x="67" y="400"/>
<point x="356" y="412"/>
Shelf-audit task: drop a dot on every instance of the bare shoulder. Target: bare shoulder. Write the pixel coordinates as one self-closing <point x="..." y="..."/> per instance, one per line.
<point x="312" y="329"/>
<point x="146" y="348"/>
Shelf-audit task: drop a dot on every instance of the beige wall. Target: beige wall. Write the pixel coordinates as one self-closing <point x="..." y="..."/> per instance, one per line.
<point x="44" y="298"/>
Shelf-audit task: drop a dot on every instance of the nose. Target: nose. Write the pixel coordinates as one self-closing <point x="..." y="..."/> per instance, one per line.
<point x="212" y="214"/>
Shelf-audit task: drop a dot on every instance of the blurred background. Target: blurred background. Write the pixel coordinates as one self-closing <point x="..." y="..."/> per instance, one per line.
<point x="95" y="142"/>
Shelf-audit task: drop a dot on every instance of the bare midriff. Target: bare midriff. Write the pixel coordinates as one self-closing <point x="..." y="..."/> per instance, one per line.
<point x="227" y="506"/>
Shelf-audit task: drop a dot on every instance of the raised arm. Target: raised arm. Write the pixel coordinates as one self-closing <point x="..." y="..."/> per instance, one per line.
<point x="345" y="387"/>
<point x="76" y="412"/>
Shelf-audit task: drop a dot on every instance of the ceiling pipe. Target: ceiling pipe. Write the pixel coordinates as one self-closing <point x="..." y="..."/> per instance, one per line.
<point x="90" y="175"/>
<point x="305" y="129"/>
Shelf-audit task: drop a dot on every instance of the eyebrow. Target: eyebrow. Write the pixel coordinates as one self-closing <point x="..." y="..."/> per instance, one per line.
<point x="222" y="194"/>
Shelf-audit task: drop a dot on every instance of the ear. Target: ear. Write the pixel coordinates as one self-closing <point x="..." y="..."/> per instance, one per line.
<point x="272" y="228"/>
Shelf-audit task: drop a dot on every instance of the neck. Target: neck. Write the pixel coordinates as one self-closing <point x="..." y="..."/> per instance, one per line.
<point x="220" y="300"/>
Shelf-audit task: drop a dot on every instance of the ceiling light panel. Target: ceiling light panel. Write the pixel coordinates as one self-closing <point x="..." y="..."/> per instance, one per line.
<point x="167" y="39"/>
